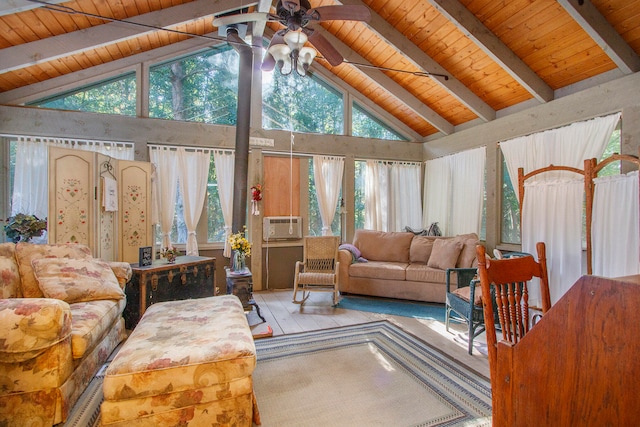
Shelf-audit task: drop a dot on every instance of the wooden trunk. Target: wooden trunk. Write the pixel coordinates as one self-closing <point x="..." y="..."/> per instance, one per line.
<point x="190" y="277"/>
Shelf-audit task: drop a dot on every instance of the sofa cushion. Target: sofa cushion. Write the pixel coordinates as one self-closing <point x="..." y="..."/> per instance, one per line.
<point x="383" y="246"/>
<point x="91" y="321"/>
<point x="29" y="326"/>
<point x="9" y="273"/>
<point x="27" y="252"/>
<point x="379" y="270"/>
<point x="468" y="252"/>
<point x="423" y="273"/>
<point x="420" y="249"/>
<point x="76" y="280"/>
<point x="445" y="253"/>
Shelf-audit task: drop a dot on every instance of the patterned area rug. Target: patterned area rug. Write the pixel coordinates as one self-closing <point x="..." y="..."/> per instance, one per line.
<point x="374" y="374"/>
<point x="395" y="307"/>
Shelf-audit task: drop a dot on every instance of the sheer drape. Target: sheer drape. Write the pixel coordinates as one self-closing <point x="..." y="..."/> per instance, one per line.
<point x="405" y="207"/>
<point x="30" y="185"/>
<point x="612" y="227"/>
<point x="166" y="166"/>
<point x="392" y="196"/>
<point x="225" y="161"/>
<point x="327" y="173"/>
<point x="467" y="191"/>
<point x="437" y="191"/>
<point x="560" y="231"/>
<point x="193" y="169"/>
<point x="454" y="192"/>
<point x="567" y="146"/>
<point x="375" y="191"/>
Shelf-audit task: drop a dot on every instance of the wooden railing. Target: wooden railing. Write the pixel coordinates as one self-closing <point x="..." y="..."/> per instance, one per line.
<point x="579" y="365"/>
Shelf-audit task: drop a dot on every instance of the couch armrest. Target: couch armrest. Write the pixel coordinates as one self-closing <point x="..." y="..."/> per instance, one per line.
<point x="344" y="259"/>
<point x="122" y="270"/>
<point x="29" y="326"/>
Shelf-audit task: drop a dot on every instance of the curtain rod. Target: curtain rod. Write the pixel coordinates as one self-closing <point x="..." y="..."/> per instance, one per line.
<point x="187" y="147"/>
<point x="5" y="135"/>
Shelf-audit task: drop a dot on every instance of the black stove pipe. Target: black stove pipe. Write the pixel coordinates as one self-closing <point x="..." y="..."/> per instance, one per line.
<point x="241" y="165"/>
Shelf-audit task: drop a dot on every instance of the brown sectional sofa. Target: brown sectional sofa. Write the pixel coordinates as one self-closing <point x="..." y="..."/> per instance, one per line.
<point x="402" y="265"/>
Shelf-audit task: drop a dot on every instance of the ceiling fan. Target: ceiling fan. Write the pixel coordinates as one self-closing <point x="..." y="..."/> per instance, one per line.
<point x="296" y="15"/>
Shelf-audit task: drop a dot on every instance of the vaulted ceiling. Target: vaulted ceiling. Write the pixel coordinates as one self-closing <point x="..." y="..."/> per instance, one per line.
<point x="499" y="56"/>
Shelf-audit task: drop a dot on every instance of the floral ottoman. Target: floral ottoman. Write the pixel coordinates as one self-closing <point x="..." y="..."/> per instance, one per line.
<point x="186" y="363"/>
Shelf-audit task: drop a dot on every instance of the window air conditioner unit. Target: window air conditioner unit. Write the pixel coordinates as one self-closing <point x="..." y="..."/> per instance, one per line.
<point x="281" y="228"/>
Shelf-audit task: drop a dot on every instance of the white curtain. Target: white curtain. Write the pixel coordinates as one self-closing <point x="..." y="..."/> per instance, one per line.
<point x="225" y="161"/>
<point x="327" y="173"/>
<point x="375" y="194"/>
<point x="30" y="185"/>
<point x="437" y="191"/>
<point x="165" y="161"/>
<point x="467" y="191"/>
<point x="560" y="230"/>
<point x="566" y="146"/>
<point x="611" y="227"/>
<point x="454" y="192"/>
<point x="193" y="169"/>
<point x="404" y="196"/>
<point x="392" y="196"/>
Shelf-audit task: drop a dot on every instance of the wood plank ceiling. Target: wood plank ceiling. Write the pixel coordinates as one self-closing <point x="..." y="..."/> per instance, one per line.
<point x="496" y="54"/>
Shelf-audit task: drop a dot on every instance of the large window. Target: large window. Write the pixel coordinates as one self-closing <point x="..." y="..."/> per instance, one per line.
<point x="510" y="220"/>
<point x="360" y="168"/>
<point x="200" y="88"/>
<point x="115" y="96"/>
<point x="301" y="104"/>
<point x="366" y="125"/>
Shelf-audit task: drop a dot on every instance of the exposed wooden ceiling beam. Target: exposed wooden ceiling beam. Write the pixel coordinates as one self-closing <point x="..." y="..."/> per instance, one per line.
<point x="257" y="29"/>
<point x="424" y="62"/>
<point x="475" y="30"/>
<point x="7" y="7"/>
<point x="389" y="85"/>
<point x="599" y="29"/>
<point x="48" y="49"/>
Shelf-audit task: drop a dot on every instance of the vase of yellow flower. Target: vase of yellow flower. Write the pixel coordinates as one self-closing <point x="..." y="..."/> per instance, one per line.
<point x="241" y="249"/>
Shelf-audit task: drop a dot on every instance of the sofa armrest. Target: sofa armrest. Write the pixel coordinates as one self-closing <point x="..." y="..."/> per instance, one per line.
<point x="29" y="326"/>
<point x="344" y="259"/>
<point x="122" y="270"/>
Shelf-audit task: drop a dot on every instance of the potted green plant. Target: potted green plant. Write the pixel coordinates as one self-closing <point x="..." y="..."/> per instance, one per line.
<point x="23" y="227"/>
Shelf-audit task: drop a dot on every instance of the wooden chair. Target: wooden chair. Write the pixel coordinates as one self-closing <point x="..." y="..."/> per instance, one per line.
<point x="318" y="272"/>
<point x="461" y="304"/>
<point x="508" y="279"/>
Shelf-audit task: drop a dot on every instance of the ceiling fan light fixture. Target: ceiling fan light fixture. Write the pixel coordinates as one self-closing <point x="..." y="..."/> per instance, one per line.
<point x="295" y="39"/>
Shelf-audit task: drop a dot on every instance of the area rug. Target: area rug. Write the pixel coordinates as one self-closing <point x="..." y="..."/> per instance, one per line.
<point x="395" y="307"/>
<point x="373" y="374"/>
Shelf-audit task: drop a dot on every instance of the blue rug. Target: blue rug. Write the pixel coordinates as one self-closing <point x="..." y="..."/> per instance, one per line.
<point x="418" y="310"/>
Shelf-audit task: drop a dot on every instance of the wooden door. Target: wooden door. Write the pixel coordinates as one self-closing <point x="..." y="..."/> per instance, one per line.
<point x="71" y="196"/>
<point x="134" y="213"/>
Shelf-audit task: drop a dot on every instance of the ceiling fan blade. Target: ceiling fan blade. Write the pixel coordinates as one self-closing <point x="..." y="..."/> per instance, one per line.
<point x="240" y="18"/>
<point x="269" y="62"/>
<point x="340" y="13"/>
<point x="325" y="48"/>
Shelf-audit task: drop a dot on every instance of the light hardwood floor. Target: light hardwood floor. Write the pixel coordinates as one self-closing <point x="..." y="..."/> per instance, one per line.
<point x="285" y="317"/>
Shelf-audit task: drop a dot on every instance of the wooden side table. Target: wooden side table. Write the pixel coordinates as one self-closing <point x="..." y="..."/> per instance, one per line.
<point x="189" y="277"/>
<point x="241" y="285"/>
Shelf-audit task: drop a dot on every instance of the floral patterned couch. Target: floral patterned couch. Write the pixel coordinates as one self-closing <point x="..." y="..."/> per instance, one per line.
<point x="60" y="318"/>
